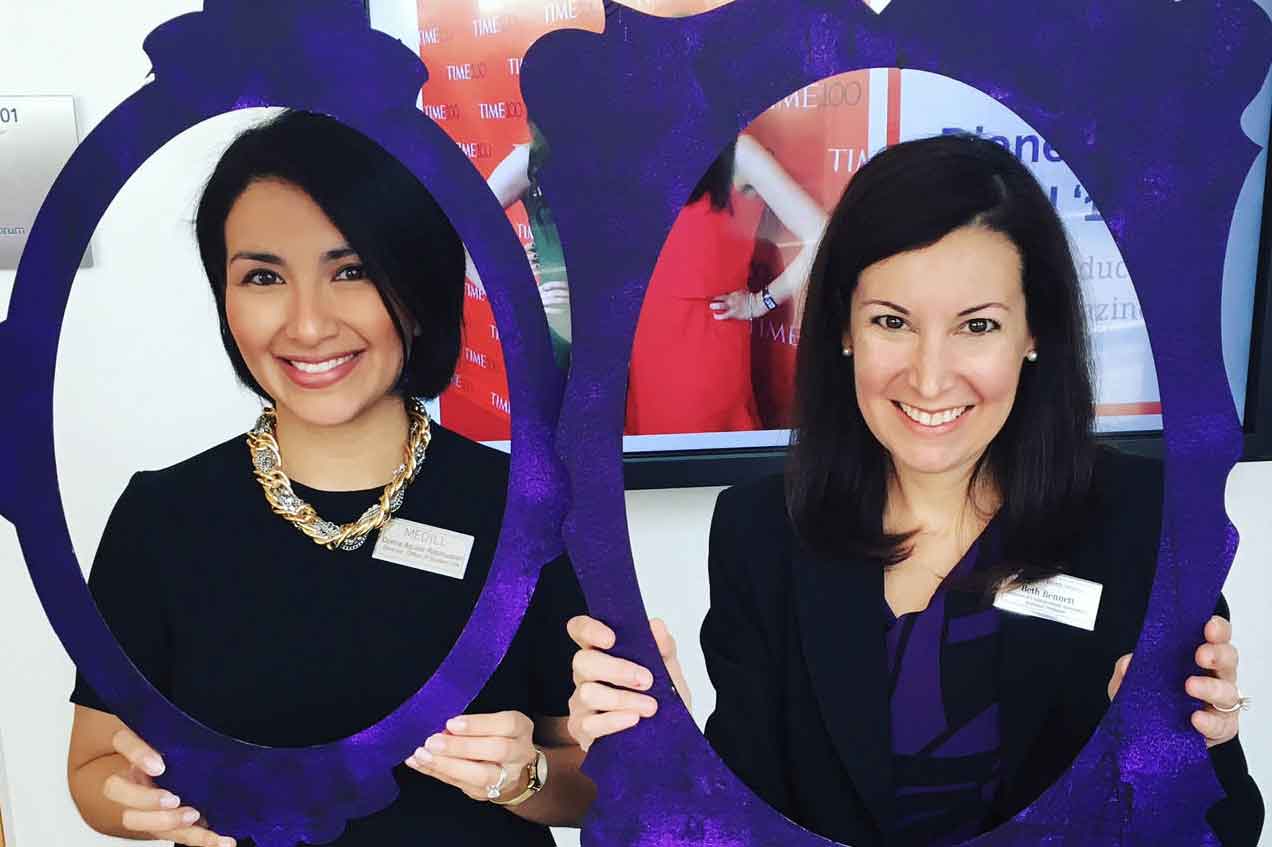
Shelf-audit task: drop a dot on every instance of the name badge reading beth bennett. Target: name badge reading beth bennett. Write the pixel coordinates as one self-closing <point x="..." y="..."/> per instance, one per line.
<point x="1064" y="599"/>
<point x="424" y="547"/>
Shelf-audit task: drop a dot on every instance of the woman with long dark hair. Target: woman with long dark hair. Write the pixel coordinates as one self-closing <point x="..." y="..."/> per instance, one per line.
<point x="247" y="583"/>
<point x="885" y="671"/>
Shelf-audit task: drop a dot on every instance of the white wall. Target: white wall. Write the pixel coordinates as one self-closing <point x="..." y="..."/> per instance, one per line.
<point x="5" y="802"/>
<point x="1249" y="593"/>
<point x="142" y="382"/>
<point x="139" y="329"/>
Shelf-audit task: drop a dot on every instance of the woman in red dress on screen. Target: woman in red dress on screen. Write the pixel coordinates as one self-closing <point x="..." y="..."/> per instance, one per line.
<point x="691" y="360"/>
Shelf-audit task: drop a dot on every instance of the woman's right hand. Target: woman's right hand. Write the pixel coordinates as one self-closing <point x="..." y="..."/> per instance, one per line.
<point x="152" y="810"/>
<point x="606" y="698"/>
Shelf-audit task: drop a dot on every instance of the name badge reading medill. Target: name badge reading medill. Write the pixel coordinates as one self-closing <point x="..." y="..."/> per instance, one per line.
<point x="425" y="548"/>
<point x="1065" y="599"/>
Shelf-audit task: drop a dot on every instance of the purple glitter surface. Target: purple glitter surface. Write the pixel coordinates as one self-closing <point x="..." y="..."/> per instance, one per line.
<point x="1090" y="77"/>
<point x="324" y="57"/>
<point x="620" y="171"/>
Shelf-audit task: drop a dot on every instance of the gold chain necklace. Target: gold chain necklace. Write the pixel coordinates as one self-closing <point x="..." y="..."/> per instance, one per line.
<point x="267" y="464"/>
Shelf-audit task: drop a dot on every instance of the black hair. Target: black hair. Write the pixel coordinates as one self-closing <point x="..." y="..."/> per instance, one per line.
<point x="409" y="249"/>
<point x="717" y="182"/>
<point x="908" y="197"/>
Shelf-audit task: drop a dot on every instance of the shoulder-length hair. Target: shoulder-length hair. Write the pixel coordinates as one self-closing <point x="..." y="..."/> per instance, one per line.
<point x="907" y="197"/>
<point x="410" y="250"/>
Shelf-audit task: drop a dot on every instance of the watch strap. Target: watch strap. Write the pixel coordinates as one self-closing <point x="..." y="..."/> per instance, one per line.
<point x="534" y="784"/>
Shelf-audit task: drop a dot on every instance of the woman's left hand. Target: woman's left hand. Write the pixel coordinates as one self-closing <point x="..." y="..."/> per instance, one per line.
<point x="470" y="753"/>
<point x="1218" y="688"/>
<point x="737" y="305"/>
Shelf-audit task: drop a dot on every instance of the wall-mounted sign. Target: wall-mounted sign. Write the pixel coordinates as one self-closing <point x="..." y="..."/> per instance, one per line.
<point x="37" y="136"/>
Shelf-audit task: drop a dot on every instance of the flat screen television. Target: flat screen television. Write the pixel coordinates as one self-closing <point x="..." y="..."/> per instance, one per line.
<point x="723" y="413"/>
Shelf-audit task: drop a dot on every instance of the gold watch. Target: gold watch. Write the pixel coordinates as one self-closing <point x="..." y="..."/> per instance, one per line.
<point x="537" y="776"/>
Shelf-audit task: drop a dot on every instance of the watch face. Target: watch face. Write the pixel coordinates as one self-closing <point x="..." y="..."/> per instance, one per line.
<point x="541" y="769"/>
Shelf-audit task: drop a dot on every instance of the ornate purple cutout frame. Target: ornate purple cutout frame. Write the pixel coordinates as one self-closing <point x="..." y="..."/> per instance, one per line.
<point x="625" y="156"/>
<point x="322" y="57"/>
<point x="661" y="783"/>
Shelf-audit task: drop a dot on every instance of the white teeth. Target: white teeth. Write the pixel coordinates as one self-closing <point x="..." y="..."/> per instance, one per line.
<point x="321" y="367"/>
<point x="930" y="418"/>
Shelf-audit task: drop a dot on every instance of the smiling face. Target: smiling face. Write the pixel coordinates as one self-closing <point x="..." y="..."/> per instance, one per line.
<point x="938" y="337"/>
<point x="311" y="327"/>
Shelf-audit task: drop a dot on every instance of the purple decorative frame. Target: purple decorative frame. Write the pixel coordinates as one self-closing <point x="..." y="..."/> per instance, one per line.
<point x="661" y="783"/>
<point x="625" y="156"/>
<point x="324" y="57"/>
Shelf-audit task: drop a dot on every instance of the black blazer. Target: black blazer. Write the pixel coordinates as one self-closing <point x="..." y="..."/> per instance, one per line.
<point x="794" y="643"/>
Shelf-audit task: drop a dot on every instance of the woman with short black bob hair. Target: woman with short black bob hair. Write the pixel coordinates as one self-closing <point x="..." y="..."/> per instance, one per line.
<point x="407" y="245"/>
<point x="240" y="581"/>
<point x="883" y="672"/>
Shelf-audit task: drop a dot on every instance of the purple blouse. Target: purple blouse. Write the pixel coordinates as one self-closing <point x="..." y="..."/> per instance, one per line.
<point x="944" y="697"/>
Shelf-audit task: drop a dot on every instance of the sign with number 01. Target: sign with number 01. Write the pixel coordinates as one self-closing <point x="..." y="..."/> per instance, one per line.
<point x="37" y="136"/>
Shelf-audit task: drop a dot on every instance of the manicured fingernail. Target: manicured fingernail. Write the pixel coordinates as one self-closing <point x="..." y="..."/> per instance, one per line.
<point x="189" y="816"/>
<point x="435" y="744"/>
<point x="423" y="756"/>
<point x="153" y="765"/>
<point x="644" y="679"/>
<point x="225" y="842"/>
<point x="169" y="801"/>
<point x="457" y="724"/>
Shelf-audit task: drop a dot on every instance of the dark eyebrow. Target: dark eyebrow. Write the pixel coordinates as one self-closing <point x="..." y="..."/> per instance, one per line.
<point x="268" y="258"/>
<point x="983" y="306"/>
<point x="902" y="309"/>
<point x="338" y="253"/>
<point x="332" y="255"/>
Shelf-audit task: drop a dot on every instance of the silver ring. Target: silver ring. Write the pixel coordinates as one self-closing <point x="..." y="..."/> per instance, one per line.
<point x="496" y="788"/>
<point x="1243" y="704"/>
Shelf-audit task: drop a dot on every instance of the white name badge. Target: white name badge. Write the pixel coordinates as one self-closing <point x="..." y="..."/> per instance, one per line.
<point x="424" y="547"/>
<point x="1064" y="599"/>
